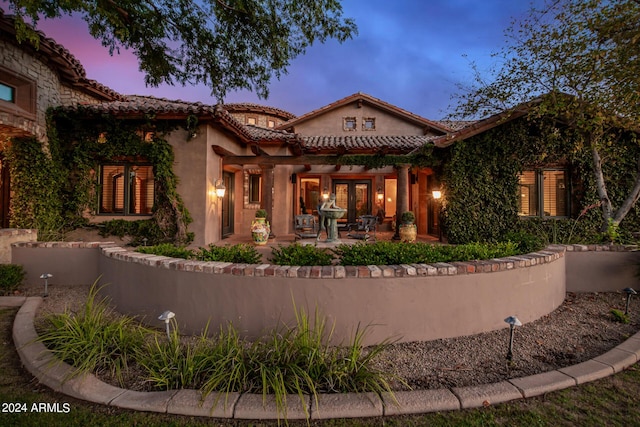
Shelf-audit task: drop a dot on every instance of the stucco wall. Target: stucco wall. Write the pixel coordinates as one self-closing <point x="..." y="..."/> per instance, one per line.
<point x="589" y="270"/>
<point x="407" y="302"/>
<point x="331" y="123"/>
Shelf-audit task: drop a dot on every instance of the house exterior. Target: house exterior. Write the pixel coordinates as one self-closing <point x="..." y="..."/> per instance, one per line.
<point x="266" y="157"/>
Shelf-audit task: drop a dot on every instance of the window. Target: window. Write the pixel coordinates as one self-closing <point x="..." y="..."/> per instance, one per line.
<point x="255" y="181"/>
<point x="17" y="93"/>
<point x="7" y="93"/>
<point x="544" y="192"/>
<point x="309" y="195"/>
<point x="271" y="124"/>
<point x="369" y="123"/>
<point x="349" y="123"/>
<point x="251" y="120"/>
<point x="126" y="189"/>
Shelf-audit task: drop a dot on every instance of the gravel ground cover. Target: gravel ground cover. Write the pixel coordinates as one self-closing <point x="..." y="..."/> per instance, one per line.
<point x="580" y="329"/>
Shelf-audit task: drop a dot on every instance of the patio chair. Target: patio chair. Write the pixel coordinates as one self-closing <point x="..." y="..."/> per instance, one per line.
<point x="361" y="229"/>
<point x="306" y="227"/>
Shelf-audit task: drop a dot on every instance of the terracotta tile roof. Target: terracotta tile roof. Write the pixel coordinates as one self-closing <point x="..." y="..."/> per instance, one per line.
<point x="67" y="65"/>
<point x="364" y="142"/>
<point x="239" y="107"/>
<point x="259" y="133"/>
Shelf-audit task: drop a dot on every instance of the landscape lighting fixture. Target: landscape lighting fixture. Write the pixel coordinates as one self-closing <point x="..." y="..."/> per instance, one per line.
<point x="220" y="188"/>
<point x="166" y="317"/>
<point x="46" y="277"/>
<point x="513" y="321"/>
<point x="629" y="292"/>
<point x="436" y="194"/>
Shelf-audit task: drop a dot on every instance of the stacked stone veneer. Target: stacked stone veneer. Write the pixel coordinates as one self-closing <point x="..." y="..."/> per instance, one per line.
<point x="9" y="236"/>
<point x="50" y="91"/>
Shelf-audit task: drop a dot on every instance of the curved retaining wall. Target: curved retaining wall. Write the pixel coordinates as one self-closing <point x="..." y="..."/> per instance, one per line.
<point x="407" y="302"/>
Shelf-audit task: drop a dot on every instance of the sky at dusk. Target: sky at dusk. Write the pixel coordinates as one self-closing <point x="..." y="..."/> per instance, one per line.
<point x="410" y="53"/>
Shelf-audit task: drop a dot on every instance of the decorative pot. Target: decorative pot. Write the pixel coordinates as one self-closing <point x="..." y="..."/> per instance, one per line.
<point x="260" y="230"/>
<point x="408" y="233"/>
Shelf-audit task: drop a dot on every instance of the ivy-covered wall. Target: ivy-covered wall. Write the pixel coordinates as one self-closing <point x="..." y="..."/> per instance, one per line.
<point x="480" y="179"/>
<point x="56" y="187"/>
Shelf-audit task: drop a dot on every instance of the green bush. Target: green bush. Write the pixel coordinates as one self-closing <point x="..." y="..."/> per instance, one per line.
<point x="297" y="254"/>
<point x="619" y="316"/>
<point x="167" y="249"/>
<point x="391" y="253"/>
<point x="241" y="254"/>
<point x="525" y="242"/>
<point x="11" y="276"/>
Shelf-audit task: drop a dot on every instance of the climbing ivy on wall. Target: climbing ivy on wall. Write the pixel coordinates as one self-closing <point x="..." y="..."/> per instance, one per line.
<point x="36" y="179"/>
<point x="480" y="179"/>
<point x="78" y="142"/>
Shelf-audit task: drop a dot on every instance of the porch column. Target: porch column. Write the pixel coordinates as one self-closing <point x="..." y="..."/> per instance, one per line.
<point x="402" y="195"/>
<point x="266" y="199"/>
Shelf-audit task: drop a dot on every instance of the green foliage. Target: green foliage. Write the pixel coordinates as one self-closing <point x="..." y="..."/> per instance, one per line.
<point x="525" y="242"/>
<point x="11" y="276"/>
<point x="168" y="250"/>
<point x="225" y="45"/>
<point x="261" y="213"/>
<point x="95" y="339"/>
<point x="619" y="316"/>
<point x="36" y="199"/>
<point x="241" y="254"/>
<point x="408" y="217"/>
<point x="391" y="253"/>
<point x="297" y="254"/>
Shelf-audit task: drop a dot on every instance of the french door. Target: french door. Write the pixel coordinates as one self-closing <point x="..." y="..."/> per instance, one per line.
<point x="355" y="196"/>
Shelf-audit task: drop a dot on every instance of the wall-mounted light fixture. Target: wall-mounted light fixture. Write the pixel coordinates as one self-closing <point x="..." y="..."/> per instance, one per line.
<point x="325" y="193"/>
<point x="379" y="194"/>
<point x="220" y="188"/>
<point x="437" y="194"/>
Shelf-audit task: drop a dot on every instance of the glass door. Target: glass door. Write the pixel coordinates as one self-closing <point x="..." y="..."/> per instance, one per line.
<point x="355" y="196"/>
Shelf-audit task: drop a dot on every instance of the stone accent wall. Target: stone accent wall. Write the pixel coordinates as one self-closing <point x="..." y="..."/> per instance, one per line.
<point x="50" y="91"/>
<point x="9" y="236"/>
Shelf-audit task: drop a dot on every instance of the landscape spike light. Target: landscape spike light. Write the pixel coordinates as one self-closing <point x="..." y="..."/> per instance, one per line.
<point x="513" y="321"/>
<point x="166" y="317"/>
<point x="629" y="292"/>
<point x="46" y="277"/>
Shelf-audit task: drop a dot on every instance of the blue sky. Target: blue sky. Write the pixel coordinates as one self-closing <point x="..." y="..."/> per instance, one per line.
<point x="410" y="53"/>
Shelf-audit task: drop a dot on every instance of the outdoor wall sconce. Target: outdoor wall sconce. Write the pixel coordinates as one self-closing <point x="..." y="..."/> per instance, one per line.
<point x="166" y="317"/>
<point x="380" y="194"/>
<point x="220" y="188"/>
<point x="46" y="277"/>
<point x="513" y="321"/>
<point x="325" y="193"/>
<point x="437" y="194"/>
<point x="629" y="292"/>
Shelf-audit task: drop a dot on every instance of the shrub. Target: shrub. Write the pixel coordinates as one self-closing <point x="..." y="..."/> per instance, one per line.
<point x="11" y="276"/>
<point x="241" y="253"/>
<point x="408" y="217"/>
<point x="167" y="249"/>
<point x="297" y="254"/>
<point x="390" y="253"/>
<point x="525" y="242"/>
